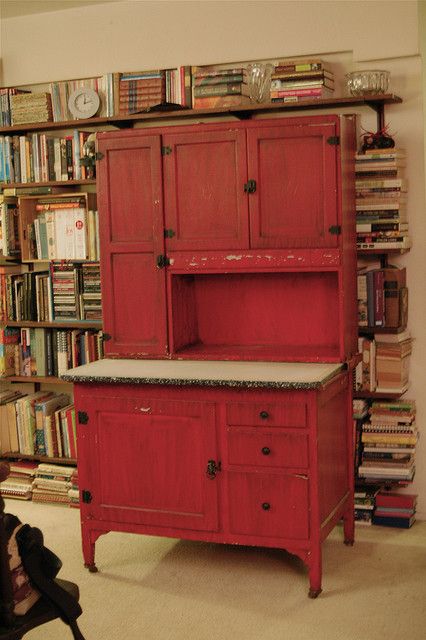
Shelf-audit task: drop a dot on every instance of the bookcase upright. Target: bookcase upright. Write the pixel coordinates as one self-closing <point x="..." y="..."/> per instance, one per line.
<point x="223" y="410"/>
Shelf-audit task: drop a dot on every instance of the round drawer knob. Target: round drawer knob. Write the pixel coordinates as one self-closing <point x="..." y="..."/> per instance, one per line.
<point x="264" y="415"/>
<point x="266" y="451"/>
<point x="266" y="506"/>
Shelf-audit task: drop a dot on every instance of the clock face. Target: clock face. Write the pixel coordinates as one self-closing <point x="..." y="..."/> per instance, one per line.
<point x="83" y="103"/>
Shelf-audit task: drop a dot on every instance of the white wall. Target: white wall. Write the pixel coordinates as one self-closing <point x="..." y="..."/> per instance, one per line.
<point x="135" y="35"/>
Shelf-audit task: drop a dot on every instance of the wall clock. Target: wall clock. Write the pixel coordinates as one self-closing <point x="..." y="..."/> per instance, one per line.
<point x="83" y="102"/>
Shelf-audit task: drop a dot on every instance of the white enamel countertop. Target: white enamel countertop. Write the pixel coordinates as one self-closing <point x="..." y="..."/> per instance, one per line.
<point x="283" y="375"/>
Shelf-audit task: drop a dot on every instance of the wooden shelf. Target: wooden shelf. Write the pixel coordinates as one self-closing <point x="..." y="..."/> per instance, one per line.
<point x="36" y="379"/>
<point x="392" y="330"/>
<point x="50" y="183"/>
<point x="375" y="102"/>
<point x="78" y="324"/>
<point x="16" y="455"/>
<point x="373" y="394"/>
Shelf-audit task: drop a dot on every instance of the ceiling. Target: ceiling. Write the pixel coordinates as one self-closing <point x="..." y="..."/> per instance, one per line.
<point x="13" y="8"/>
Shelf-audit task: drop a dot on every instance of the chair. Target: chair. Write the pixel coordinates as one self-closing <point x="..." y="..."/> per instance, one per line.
<point x="59" y="598"/>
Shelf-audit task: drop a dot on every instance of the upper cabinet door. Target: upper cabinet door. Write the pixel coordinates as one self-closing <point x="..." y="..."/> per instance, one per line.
<point x="206" y="206"/>
<point x="295" y="202"/>
<point x="129" y="178"/>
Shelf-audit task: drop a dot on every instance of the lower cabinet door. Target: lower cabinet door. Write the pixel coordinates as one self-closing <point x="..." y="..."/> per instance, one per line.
<point x="149" y="463"/>
<point x="269" y="505"/>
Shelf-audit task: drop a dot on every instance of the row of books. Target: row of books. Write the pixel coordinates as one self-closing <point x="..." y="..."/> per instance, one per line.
<point x="40" y="423"/>
<point x="197" y="87"/>
<point x="64" y="232"/>
<point x="382" y="296"/>
<point x="42" y="483"/>
<point x="142" y="90"/>
<point x="381" y="195"/>
<point x="41" y="157"/>
<point x="385" y="508"/>
<point x="384" y="367"/>
<point x="39" y="351"/>
<point x="67" y="292"/>
<point x="10" y="246"/>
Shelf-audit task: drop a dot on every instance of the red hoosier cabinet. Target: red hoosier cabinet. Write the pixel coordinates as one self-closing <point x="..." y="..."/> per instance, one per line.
<point x="222" y="411"/>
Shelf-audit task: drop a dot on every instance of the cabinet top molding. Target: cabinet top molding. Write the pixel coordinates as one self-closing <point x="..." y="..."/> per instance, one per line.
<point x="375" y="102"/>
<point x="279" y="375"/>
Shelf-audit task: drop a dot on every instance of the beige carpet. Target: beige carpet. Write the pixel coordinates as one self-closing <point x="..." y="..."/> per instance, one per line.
<point x="161" y="589"/>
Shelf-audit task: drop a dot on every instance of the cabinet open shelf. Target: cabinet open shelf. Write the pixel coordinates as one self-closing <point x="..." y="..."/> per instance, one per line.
<point x="287" y="316"/>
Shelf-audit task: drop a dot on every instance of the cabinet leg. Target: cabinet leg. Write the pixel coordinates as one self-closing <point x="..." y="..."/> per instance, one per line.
<point x="315" y="572"/>
<point x="349" y="527"/>
<point x="88" y="542"/>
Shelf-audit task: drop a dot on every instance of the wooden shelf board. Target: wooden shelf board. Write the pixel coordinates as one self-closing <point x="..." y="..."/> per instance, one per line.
<point x="15" y="455"/>
<point x="78" y="324"/>
<point x="370" y="330"/>
<point x="374" y="102"/>
<point x="35" y="379"/>
<point x="50" y="183"/>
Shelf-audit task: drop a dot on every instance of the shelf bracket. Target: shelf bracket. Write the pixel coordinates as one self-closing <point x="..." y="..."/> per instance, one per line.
<point x="379" y="108"/>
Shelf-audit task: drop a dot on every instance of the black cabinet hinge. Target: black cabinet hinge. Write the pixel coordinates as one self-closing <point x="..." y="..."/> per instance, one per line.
<point x="106" y="337"/>
<point x="162" y="261"/>
<point x="250" y="186"/>
<point x="335" y="229"/>
<point x="333" y="140"/>
<point x="169" y="233"/>
<point x="212" y="468"/>
<point x="83" y="418"/>
<point x="166" y="151"/>
<point x="99" y="155"/>
<point x="86" y="496"/>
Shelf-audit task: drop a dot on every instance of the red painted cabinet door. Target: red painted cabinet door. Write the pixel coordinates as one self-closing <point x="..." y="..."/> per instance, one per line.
<point x="149" y="461"/>
<point x="296" y="201"/>
<point x="129" y="179"/>
<point x="206" y="207"/>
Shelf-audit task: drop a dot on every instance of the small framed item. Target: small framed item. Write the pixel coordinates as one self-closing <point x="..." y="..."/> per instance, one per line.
<point x="83" y="103"/>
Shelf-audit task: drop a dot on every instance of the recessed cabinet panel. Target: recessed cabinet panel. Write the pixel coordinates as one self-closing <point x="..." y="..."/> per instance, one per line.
<point x="205" y="203"/>
<point x="136" y="321"/>
<point x="295" y="202"/>
<point x="269" y="505"/>
<point x="156" y="459"/>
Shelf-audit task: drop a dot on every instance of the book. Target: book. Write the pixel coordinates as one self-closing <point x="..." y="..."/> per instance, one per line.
<point x="385" y="521"/>
<point x="223" y="89"/>
<point x="396" y="500"/>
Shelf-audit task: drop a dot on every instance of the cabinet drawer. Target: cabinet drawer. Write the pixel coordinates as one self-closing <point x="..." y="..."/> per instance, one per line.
<point x="262" y="448"/>
<point x="267" y="414"/>
<point x="269" y="505"/>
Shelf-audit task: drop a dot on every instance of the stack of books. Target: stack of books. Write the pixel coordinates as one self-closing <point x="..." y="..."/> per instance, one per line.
<point x="295" y="80"/>
<point x="381" y="193"/>
<point x="389" y="439"/>
<point x="73" y="492"/>
<point x="395" y="509"/>
<point x="31" y="107"/>
<point x="52" y="483"/>
<point x="364" y="503"/>
<point x="19" y="484"/>
<point x="90" y="288"/>
<point x="215" y="87"/>
<point x="141" y="91"/>
<point x="393" y="352"/>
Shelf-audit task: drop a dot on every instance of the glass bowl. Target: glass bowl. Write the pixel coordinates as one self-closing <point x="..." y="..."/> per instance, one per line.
<point x="361" y="83"/>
